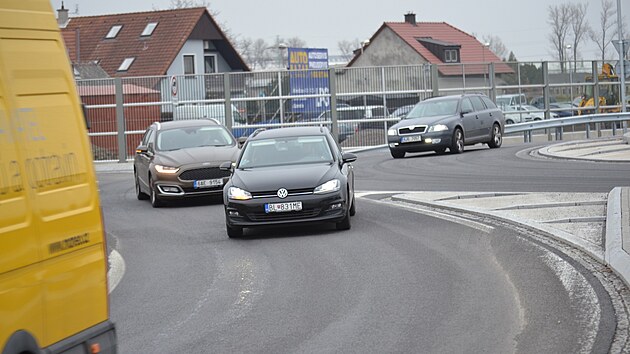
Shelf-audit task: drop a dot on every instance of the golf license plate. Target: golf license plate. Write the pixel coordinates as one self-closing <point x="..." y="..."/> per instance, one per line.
<point x="283" y="207"/>
<point x="411" y="139"/>
<point x="207" y="183"/>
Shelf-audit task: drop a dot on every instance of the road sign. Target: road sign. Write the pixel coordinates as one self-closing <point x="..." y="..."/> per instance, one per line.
<point x="615" y="42"/>
<point x="626" y="68"/>
<point x="174" y="86"/>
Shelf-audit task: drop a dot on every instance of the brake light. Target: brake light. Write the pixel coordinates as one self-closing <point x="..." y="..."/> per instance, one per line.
<point x="95" y="348"/>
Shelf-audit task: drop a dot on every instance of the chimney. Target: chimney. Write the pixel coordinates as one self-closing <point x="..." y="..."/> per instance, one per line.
<point x="410" y="17"/>
<point x="62" y="16"/>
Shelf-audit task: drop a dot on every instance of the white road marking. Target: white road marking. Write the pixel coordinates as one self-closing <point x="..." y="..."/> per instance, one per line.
<point x="116" y="270"/>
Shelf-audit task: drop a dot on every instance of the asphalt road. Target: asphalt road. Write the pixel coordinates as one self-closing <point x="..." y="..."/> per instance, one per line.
<point x="400" y="280"/>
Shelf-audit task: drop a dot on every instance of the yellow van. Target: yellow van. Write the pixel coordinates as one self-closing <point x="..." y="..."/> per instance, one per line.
<point x="53" y="263"/>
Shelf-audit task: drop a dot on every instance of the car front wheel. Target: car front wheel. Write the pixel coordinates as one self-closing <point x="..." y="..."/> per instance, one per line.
<point x="139" y="193"/>
<point x="156" y="202"/>
<point x="397" y="154"/>
<point x="457" y="145"/>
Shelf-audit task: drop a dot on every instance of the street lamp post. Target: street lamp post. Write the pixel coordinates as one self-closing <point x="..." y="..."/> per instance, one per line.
<point x="483" y="60"/>
<point x="568" y="48"/>
<point x="281" y="48"/>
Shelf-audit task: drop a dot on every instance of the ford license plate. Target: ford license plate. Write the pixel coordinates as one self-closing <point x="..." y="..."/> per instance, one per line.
<point x="411" y="139"/>
<point x="283" y="207"/>
<point x="207" y="183"/>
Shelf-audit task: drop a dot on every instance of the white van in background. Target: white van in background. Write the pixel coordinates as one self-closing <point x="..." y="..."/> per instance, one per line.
<point x="212" y="110"/>
<point x="510" y="100"/>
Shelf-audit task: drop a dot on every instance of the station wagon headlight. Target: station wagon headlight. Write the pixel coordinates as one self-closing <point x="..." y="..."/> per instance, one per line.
<point x="166" y="169"/>
<point x="239" y="194"/>
<point x="438" y="128"/>
<point x="331" y="186"/>
<point x="392" y="132"/>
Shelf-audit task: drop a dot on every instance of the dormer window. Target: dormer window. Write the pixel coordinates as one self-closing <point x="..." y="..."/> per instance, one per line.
<point x="148" y="30"/>
<point x="126" y="64"/>
<point x="450" y="56"/>
<point x="113" y="32"/>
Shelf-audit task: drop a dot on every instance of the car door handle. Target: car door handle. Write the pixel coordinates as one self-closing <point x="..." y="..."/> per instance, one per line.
<point x="490" y="114"/>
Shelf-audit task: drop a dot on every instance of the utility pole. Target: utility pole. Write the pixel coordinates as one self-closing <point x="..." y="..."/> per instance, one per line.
<point x="622" y="60"/>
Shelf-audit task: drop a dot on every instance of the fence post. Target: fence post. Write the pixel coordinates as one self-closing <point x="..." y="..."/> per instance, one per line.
<point x="545" y="73"/>
<point x="332" y="82"/>
<point x="493" y="83"/>
<point x="280" y="103"/>
<point x="227" y="93"/>
<point x="595" y="75"/>
<point x="120" y="121"/>
<point x="434" y="80"/>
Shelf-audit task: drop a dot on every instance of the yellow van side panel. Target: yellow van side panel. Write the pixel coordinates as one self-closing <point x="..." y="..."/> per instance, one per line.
<point x="52" y="262"/>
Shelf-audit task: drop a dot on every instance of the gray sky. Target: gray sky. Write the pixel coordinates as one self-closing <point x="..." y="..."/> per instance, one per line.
<point x="521" y="25"/>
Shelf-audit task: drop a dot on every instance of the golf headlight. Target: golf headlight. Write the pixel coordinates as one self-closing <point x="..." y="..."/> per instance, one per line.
<point x="239" y="194"/>
<point x="166" y="169"/>
<point x="392" y="132"/>
<point x="438" y="128"/>
<point x="330" y="186"/>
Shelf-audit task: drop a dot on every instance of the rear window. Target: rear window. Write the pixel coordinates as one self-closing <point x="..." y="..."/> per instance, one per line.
<point x="488" y="102"/>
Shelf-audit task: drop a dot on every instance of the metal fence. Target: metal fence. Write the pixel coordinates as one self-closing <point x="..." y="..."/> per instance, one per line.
<point x="357" y="104"/>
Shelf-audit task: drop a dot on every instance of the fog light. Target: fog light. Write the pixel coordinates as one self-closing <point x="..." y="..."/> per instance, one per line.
<point x="391" y="145"/>
<point x="170" y="189"/>
<point x="436" y="141"/>
<point x="428" y="140"/>
<point x="335" y="206"/>
<point x="233" y="213"/>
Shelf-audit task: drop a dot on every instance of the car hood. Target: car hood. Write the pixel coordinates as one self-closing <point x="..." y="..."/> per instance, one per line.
<point x="290" y="177"/>
<point x="191" y="156"/>
<point x="422" y="121"/>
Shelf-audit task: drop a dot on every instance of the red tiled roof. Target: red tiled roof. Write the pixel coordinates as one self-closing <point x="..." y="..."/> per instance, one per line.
<point x="85" y="39"/>
<point x="471" y="50"/>
<point x="110" y="90"/>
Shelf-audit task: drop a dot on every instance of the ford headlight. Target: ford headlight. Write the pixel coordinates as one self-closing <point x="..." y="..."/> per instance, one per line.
<point x="392" y="132"/>
<point x="438" y="128"/>
<point x="166" y="169"/>
<point x="331" y="186"/>
<point x="239" y="194"/>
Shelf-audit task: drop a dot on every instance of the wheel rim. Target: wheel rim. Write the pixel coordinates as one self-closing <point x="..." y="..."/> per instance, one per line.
<point x="137" y="184"/>
<point x="460" y="140"/>
<point x="153" y="196"/>
<point x="497" y="135"/>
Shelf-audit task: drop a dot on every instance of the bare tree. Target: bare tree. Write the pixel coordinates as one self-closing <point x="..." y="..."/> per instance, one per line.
<point x="260" y="54"/>
<point x="604" y="34"/>
<point x="559" y="18"/>
<point x="496" y="46"/>
<point x="579" y="28"/>
<point x="346" y="48"/>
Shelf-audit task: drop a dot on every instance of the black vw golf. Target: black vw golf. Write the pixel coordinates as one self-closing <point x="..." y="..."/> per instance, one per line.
<point x="288" y="176"/>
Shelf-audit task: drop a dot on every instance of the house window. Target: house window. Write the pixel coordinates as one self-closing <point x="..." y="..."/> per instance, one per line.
<point x="126" y="64"/>
<point x="189" y="64"/>
<point x="210" y="64"/>
<point x="148" y="30"/>
<point x="113" y="32"/>
<point x="450" y="56"/>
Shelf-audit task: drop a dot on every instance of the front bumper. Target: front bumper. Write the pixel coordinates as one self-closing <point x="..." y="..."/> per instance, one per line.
<point x="430" y="141"/>
<point x="330" y="207"/>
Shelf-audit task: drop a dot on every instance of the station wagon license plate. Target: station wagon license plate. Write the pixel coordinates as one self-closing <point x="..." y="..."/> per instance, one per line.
<point x="206" y="183"/>
<point x="411" y="139"/>
<point x="283" y="207"/>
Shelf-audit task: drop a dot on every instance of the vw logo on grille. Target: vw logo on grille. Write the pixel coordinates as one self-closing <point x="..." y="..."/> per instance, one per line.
<point x="412" y="127"/>
<point x="282" y="193"/>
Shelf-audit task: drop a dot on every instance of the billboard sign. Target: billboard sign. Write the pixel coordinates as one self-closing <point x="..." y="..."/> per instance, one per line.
<point x="309" y="76"/>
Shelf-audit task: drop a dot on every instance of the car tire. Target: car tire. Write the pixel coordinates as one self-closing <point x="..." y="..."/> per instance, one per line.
<point x="457" y="143"/>
<point x="397" y="154"/>
<point x="344" y="224"/>
<point x="509" y="121"/>
<point x="233" y="231"/>
<point x="353" y="208"/>
<point x="496" y="139"/>
<point x="156" y="202"/>
<point x="139" y="193"/>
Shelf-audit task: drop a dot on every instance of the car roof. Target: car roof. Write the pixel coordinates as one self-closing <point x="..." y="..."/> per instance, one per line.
<point x="288" y="132"/>
<point x="174" y="124"/>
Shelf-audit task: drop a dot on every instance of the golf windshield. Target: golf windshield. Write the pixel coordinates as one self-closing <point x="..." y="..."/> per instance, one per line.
<point x="286" y="151"/>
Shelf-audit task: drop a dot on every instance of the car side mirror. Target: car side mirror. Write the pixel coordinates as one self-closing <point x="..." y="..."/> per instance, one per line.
<point x="141" y="149"/>
<point x="466" y="111"/>
<point x="347" y="157"/>
<point x="241" y="141"/>
<point x="226" y="166"/>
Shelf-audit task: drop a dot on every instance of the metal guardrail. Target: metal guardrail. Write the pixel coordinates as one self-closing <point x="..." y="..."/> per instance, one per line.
<point x="558" y="124"/>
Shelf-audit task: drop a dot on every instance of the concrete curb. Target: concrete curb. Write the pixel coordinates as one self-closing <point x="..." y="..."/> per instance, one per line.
<point x="616" y="224"/>
<point x="593" y="250"/>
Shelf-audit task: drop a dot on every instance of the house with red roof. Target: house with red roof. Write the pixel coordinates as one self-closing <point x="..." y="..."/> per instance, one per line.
<point x="184" y="41"/>
<point x="416" y="43"/>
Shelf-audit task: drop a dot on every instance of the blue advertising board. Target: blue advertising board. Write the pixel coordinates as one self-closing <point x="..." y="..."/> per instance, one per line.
<point x="309" y="76"/>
